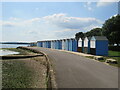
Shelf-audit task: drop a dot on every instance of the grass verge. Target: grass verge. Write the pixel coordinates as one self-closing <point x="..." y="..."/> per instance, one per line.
<point x="110" y="53"/>
<point x="16" y="74"/>
<point x="24" y="73"/>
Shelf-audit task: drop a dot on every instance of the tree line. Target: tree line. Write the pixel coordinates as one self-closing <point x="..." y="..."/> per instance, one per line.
<point x="110" y="29"/>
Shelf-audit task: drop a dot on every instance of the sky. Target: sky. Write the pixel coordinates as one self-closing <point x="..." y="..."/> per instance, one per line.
<point x="35" y="21"/>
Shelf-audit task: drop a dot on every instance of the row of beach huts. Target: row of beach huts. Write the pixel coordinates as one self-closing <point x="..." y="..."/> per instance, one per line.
<point x="96" y="45"/>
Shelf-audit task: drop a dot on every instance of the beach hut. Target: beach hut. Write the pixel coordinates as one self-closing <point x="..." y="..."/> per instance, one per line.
<point x="63" y="44"/>
<point x="80" y="45"/>
<point x="67" y="44"/>
<point x="87" y="44"/>
<point x="48" y="44"/>
<point x="74" y="44"/>
<point x="99" y="45"/>
<point x="39" y="43"/>
<point x="59" y="44"/>
<point x="44" y="44"/>
<point x="70" y="44"/>
<point x="55" y="44"/>
<point x="52" y="43"/>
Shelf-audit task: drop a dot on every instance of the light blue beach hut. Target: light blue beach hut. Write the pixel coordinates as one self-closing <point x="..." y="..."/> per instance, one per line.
<point x="63" y="44"/>
<point x="70" y="41"/>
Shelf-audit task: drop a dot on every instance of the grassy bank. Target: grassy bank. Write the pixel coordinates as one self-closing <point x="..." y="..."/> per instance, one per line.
<point x="24" y="73"/>
<point x="115" y="55"/>
<point x="16" y="74"/>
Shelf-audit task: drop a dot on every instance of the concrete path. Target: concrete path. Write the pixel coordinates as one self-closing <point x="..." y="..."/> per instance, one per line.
<point x="75" y="71"/>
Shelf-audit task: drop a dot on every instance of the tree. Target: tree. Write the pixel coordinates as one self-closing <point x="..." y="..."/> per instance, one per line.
<point x="94" y="32"/>
<point x="79" y="35"/>
<point x="111" y="29"/>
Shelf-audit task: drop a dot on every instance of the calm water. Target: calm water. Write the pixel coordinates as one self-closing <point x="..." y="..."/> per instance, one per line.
<point x="12" y="45"/>
<point x="7" y="52"/>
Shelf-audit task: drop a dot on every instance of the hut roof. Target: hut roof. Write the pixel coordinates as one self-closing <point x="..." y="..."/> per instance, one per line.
<point x="100" y="38"/>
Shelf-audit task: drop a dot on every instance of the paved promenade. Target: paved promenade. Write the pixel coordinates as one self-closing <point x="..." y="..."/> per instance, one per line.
<point x="75" y="71"/>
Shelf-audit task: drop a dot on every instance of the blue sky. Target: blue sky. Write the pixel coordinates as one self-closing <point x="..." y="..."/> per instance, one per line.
<point x="32" y="21"/>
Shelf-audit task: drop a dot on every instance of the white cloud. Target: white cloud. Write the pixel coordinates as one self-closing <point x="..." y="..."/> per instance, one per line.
<point x="14" y="18"/>
<point x="66" y="30"/>
<point x="62" y="20"/>
<point x="54" y="26"/>
<point x="17" y="22"/>
<point x="8" y="24"/>
<point x="88" y="6"/>
<point x="32" y="20"/>
<point x="101" y="3"/>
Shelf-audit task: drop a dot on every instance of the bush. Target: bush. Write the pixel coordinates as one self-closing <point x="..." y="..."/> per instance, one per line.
<point x="114" y="48"/>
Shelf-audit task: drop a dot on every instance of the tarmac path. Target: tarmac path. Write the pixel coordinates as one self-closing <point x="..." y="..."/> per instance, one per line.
<point x="75" y="71"/>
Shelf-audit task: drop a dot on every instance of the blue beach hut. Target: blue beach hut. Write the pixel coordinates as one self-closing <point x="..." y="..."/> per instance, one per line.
<point x="59" y="44"/>
<point x="67" y="44"/>
<point x="39" y="43"/>
<point x="55" y="43"/>
<point x="99" y="45"/>
<point x="70" y="44"/>
<point x="48" y="44"/>
<point x="74" y="44"/>
<point x="44" y="44"/>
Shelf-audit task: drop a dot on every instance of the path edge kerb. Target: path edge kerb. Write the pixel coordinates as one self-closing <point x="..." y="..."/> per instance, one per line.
<point x="51" y="81"/>
<point x="19" y="56"/>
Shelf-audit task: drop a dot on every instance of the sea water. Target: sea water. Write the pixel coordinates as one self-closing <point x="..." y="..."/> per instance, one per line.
<point x="8" y="52"/>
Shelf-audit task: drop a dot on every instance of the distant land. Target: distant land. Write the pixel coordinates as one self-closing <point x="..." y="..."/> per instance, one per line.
<point x="14" y="43"/>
